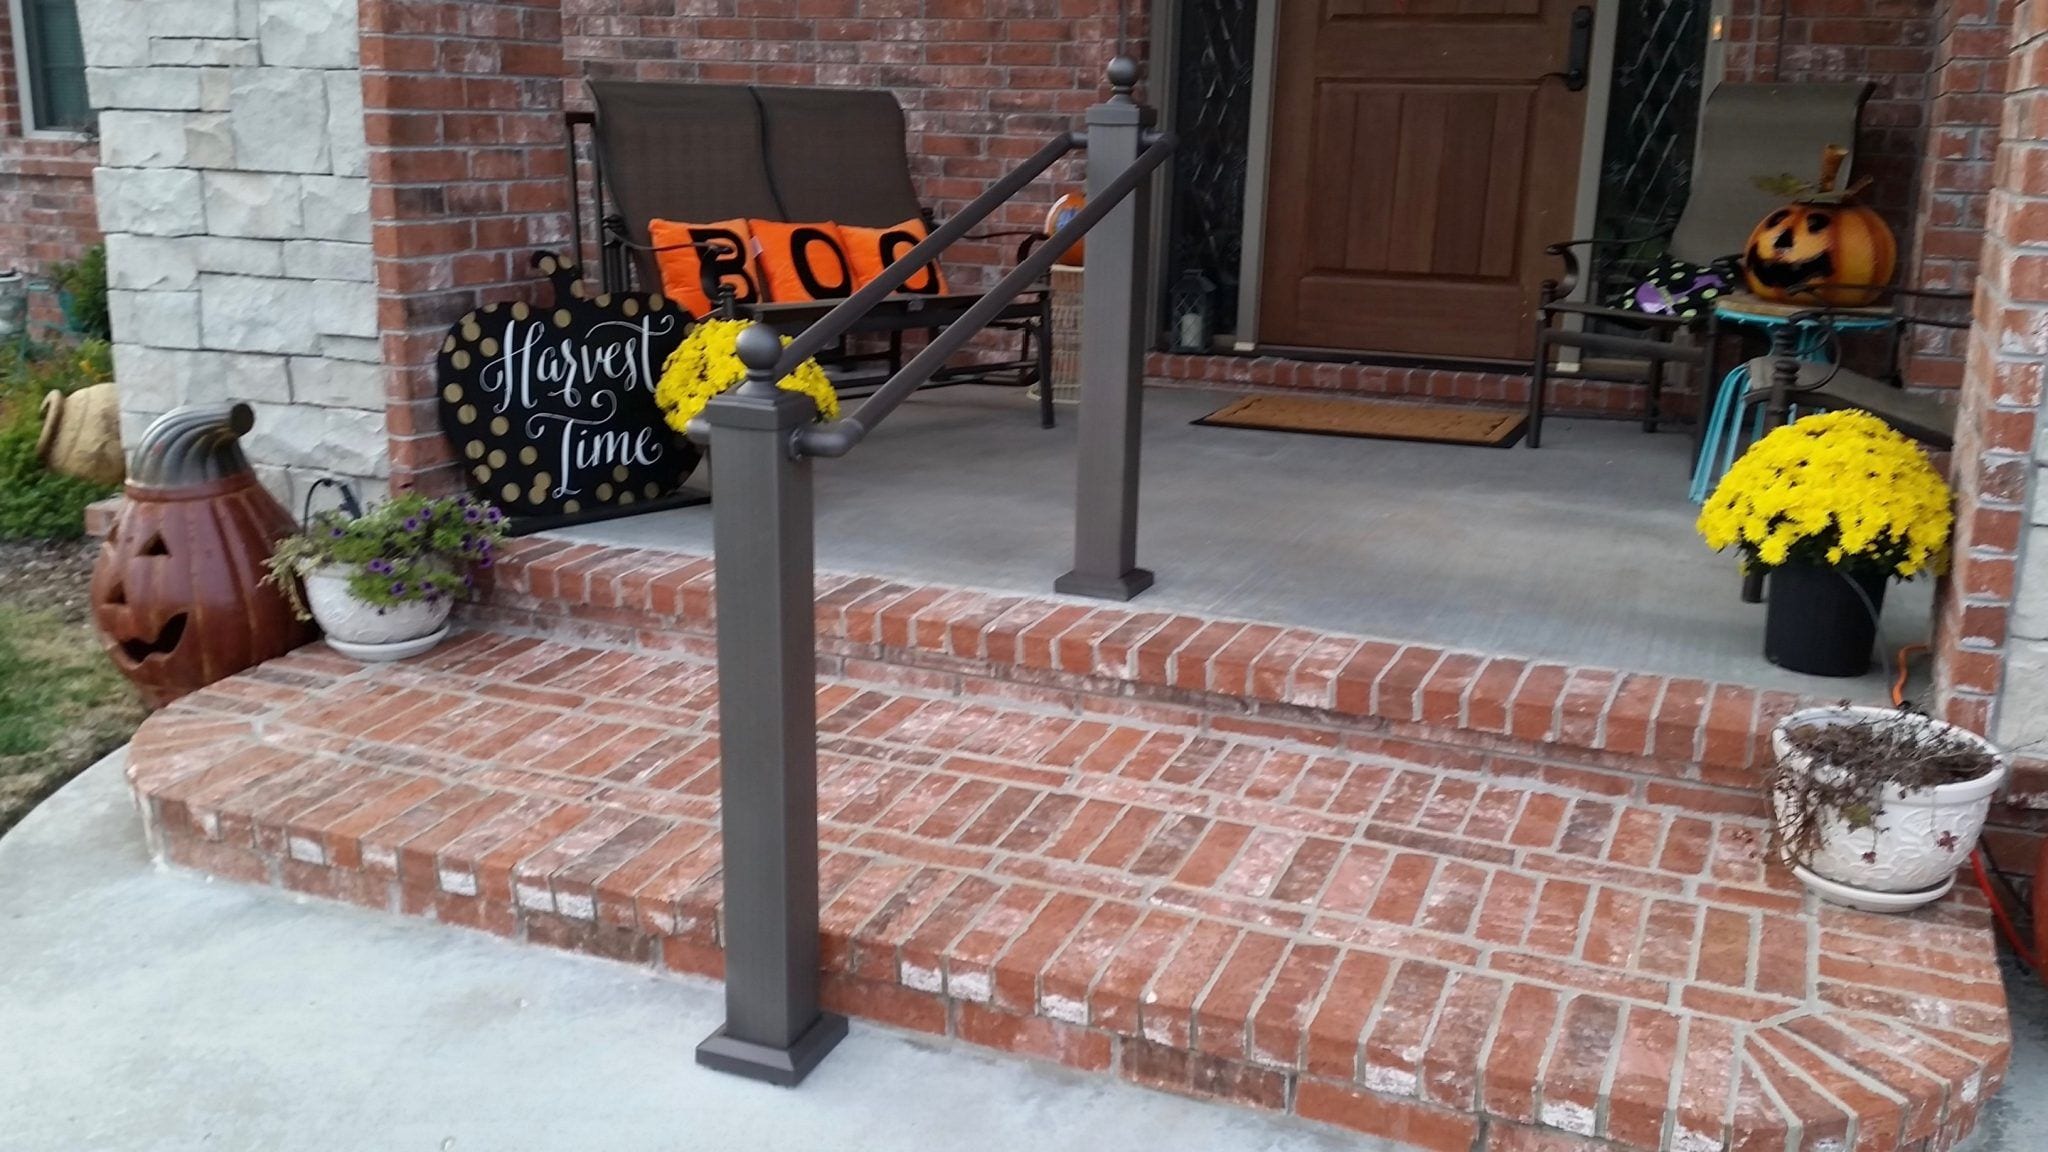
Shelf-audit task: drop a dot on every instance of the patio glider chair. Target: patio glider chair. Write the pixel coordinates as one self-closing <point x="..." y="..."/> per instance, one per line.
<point x="1747" y="131"/>
<point x="709" y="152"/>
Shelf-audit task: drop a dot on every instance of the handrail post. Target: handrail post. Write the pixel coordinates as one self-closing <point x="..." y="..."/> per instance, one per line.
<point x="1112" y="355"/>
<point x="762" y="540"/>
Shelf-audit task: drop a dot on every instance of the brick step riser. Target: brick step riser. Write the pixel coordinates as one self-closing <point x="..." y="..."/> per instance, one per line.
<point x="1650" y="783"/>
<point x="1174" y="1056"/>
<point x="1697" y="743"/>
<point x="1693" y="742"/>
<point x="1179" y="1052"/>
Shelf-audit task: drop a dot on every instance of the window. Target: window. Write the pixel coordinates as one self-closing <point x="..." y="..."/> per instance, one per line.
<point x="52" y="57"/>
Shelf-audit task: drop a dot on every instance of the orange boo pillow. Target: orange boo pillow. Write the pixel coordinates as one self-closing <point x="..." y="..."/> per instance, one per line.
<point x="683" y="269"/>
<point x="803" y="261"/>
<point x="871" y="250"/>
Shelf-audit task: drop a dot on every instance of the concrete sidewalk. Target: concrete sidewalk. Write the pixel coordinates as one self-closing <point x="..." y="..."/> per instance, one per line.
<point x="144" y="1009"/>
<point x="141" y="1009"/>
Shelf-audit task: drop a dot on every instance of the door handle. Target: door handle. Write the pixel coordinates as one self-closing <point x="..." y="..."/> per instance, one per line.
<point x="1579" y="51"/>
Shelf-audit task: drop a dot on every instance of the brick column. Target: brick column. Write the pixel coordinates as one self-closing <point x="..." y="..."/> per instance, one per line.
<point x="463" y="113"/>
<point x="1972" y="38"/>
<point x="1992" y="671"/>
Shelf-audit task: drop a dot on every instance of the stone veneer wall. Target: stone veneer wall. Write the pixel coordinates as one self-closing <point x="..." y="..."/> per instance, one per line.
<point x="233" y="190"/>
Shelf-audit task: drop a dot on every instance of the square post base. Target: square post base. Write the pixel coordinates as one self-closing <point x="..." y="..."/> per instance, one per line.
<point x="1122" y="587"/>
<point x="785" y="1067"/>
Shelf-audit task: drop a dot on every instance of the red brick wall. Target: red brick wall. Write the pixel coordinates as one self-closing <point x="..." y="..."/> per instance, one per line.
<point x="1888" y="42"/>
<point x="463" y="114"/>
<point x="1972" y="39"/>
<point x="2001" y="394"/>
<point x="46" y="210"/>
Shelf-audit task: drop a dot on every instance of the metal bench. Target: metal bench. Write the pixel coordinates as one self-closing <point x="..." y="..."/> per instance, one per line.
<point x="704" y="152"/>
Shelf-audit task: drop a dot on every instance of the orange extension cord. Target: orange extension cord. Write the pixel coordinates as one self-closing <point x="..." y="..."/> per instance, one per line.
<point x="2006" y="928"/>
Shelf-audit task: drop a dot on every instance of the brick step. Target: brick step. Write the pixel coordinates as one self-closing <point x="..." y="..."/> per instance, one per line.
<point x="1701" y="743"/>
<point x="1458" y="953"/>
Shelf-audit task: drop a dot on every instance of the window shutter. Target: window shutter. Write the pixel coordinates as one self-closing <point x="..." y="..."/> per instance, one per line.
<point x="56" y="61"/>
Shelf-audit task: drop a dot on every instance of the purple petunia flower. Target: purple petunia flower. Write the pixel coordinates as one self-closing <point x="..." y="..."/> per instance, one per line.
<point x="492" y="515"/>
<point x="335" y="533"/>
<point x="412" y="523"/>
<point x="483" y="562"/>
<point x="380" y="566"/>
<point x="398" y="587"/>
<point x="470" y="514"/>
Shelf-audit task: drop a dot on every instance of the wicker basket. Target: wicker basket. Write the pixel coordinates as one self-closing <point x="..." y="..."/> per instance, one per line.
<point x="1066" y="334"/>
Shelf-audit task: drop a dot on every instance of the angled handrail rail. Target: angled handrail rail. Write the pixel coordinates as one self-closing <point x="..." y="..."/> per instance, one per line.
<point x="848" y="312"/>
<point x="839" y="437"/>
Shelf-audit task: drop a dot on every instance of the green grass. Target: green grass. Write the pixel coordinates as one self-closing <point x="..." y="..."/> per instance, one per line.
<point x="62" y="706"/>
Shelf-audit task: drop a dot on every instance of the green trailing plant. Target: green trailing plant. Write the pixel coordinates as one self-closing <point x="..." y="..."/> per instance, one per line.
<point x="407" y="550"/>
<point x="82" y="288"/>
<point x="36" y="503"/>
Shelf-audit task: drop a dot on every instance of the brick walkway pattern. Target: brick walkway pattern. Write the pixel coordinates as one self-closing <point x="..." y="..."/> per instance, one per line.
<point x="1459" y="950"/>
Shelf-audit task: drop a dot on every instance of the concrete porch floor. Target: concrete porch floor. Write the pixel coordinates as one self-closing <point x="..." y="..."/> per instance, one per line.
<point x="1581" y="552"/>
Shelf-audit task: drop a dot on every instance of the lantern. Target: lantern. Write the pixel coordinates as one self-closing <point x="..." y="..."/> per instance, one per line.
<point x="1191" y="309"/>
<point x="177" y="590"/>
<point x="1063" y="210"/>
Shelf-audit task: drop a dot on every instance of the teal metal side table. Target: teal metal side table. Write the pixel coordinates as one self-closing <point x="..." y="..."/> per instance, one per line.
<point x="1723" y="437"/>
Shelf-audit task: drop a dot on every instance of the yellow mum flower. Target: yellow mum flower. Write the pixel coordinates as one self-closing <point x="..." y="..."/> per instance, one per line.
<point x="1840" y="489"/>
<point x="709" y="363"/>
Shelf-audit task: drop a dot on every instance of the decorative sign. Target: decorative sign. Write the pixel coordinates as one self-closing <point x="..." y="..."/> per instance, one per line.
<point x="550" y="409"/>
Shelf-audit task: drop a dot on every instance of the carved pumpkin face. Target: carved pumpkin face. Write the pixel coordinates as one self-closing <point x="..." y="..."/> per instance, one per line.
<point x="1836" y="254"/>
<point x="175" y="597"/>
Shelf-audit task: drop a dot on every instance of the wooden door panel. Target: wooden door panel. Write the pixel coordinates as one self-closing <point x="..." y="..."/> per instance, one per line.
<point x="1421" y="161"/>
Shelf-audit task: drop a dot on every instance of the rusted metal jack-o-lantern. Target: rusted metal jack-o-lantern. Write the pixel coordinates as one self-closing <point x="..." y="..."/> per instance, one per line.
<point x="1823" y="248"/>
<point x="177" y="592"/>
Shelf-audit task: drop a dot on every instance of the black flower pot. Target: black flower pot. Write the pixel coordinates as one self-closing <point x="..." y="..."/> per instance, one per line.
<point x="1822" y="621"/>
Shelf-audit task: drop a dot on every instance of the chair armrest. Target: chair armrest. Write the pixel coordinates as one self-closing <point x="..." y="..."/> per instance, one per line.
<point x="1566" y="250"/>
<point x="1562" y="246"/>
<point x="1619" y="315"/>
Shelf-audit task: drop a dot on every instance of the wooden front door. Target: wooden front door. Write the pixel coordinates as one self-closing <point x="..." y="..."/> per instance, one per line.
<point x="1422" y="159"/>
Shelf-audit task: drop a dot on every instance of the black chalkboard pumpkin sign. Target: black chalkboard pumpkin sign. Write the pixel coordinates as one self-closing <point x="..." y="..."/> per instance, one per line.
<point x="550" y="408"/>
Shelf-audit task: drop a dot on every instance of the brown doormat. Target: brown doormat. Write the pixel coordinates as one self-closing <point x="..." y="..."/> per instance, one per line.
<point x="1372" y="419"/>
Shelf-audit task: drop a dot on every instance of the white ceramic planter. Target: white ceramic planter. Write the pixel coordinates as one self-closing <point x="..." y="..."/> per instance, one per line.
<point x="1904" y="853"/>
<point x="367" y="631"/>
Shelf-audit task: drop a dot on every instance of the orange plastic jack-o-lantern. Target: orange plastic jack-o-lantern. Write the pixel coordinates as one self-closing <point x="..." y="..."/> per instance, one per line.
<point x="1823" y="249"/>
<point x="177" y="591"/>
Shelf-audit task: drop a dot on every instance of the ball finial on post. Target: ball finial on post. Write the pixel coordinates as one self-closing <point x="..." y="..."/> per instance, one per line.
<point x="759" y="347"/>
<point x="1123" y="76"/>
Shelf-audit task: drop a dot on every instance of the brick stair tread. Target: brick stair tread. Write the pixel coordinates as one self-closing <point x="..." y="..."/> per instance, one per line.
<point x="1685" y="730"/>
<point x="1427" y="944"/>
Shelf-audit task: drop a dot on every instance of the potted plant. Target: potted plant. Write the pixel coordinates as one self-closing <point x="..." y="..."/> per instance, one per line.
<point x="1876" y="807"/>
<point x="82" y="293"/>
<point x="1833" y="506"/>
<point x="708" y="363"/>
<point x="381" y="584"/>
